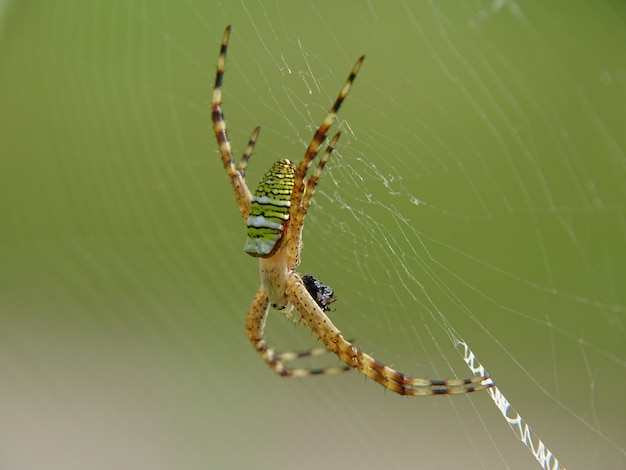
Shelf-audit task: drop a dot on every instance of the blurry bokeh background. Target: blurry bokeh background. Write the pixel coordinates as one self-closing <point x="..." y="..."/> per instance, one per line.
<point x="478" y="191"/>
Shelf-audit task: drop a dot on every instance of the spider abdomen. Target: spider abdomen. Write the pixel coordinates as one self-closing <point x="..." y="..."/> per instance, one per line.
<point x="269" y="210"/>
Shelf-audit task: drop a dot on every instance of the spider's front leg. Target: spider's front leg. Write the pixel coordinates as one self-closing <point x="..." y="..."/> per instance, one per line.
<point x="255" y="326"/>
<point x="391" y="379"/>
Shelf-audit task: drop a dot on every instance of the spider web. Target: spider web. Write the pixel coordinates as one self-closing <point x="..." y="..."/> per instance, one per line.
<point x="476" y="195"/>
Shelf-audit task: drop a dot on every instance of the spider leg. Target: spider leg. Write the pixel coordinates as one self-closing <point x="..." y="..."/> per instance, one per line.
<point x="296" y="225"/>
<point x="219" y="126"/>
<point x="389" y="378"/>
<point x="241" y="168"/>
<point x="312" y="182"/>
<point x="318" y="138"/>
<point x="292" y="356"/>
<point x="255" y="326"/>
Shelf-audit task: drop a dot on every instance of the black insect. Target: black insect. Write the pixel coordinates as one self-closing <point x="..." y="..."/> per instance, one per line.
<point x="321" y="293"/>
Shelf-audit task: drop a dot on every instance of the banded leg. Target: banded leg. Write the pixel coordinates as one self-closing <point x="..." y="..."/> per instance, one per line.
<point x="255" y="326"/>
<point x="312" y="182"/>
<point x="301" y="372"/>
<point x="297" y="224"/>
<point x="243" y="164"/>
<point x="219" y="126"/>
<point x="389" y="378"/>
<point x="318" y="138"/>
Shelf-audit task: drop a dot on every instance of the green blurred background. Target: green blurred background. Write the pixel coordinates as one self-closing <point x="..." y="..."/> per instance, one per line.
<point x="479" y="190"/>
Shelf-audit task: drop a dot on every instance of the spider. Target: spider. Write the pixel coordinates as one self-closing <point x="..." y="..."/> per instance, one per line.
<point x="274" y="216"/>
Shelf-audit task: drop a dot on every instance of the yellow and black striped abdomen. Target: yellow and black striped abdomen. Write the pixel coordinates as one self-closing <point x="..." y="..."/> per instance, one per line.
<point x="269" y="210"/>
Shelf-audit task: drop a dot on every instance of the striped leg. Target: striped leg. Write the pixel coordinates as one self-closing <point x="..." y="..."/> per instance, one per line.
<point x="389" y="378"/>
<point x="318" y="138"/>
<point x="219" y="126"/>
<point x="255" y="326"/>
<point x="312" y="182"/>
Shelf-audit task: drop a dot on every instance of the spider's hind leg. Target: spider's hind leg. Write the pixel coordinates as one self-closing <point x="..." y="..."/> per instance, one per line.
<point x="241" y="168"/>
<point x="235" y="173"/>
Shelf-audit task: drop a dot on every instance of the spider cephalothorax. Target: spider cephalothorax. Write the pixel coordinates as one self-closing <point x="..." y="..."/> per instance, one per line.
<point x="275" y="216"/>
